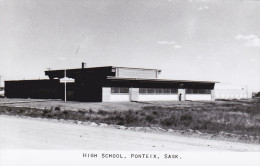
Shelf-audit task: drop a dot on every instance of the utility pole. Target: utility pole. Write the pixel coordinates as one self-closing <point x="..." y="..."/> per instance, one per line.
<point x="246" y="92"/>
<point x="65" y="87"/>
<point x="0" y="80"/>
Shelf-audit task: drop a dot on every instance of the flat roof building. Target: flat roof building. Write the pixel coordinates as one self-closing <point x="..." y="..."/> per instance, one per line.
<point x="111" y="83"/>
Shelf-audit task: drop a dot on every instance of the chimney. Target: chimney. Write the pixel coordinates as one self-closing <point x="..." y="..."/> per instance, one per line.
<point x="83" y="65"/>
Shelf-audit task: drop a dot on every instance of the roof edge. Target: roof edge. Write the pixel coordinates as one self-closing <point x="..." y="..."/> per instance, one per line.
<point x="105" y="67"/>
<point x="166" y="80"/>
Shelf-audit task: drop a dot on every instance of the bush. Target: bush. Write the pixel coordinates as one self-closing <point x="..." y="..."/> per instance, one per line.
<point x="21" y="111"/>
<point x="57" y="109"/>
<point x="90" y="111"/>
<point x="101" y="112"/>
<point x="155" y="113"/>
<point x="169" y="121"/>
<point x="186" y="120"/>
<point x="66" y="114"/>
<point x="45" y="111"/>
<point x="81" y="112"/>
<point x="150" y="119"/>
<point x="129" y="119"/>
<point x="186" y="117"/>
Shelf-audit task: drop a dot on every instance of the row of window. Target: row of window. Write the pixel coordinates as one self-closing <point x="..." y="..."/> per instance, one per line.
<point x="160" y="90"/>
<point x="119" y="90"/>
<point x="198" y="91"/>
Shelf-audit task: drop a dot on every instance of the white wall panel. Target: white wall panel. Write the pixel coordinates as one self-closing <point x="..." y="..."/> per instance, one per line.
<point x="156" y="97"/>
<point x="119" y="97"/>
<point x="195" y="97"/>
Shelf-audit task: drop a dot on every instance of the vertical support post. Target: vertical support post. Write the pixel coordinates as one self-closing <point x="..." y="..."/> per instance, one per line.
<point x="212" y="94"/>
<point x="106" y="94"/>
<point x="65" y="87"/>
<point x="134" y="94"/>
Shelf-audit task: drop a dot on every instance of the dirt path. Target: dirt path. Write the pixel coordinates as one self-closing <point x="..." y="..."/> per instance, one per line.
<point x="35" y="133"/>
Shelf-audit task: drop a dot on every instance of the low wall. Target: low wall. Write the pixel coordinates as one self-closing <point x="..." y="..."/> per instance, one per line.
<point x="119" y="97"/>
<point x="195" y="97"/>
<point x="154" y="97"/>
<point x="230" y="94"/>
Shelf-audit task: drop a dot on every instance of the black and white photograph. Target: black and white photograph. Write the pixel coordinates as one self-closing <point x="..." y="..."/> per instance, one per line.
<point x="129" y="82"/>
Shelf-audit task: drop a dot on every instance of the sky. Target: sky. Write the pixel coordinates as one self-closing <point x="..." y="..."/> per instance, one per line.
<point x="186" y="39"/>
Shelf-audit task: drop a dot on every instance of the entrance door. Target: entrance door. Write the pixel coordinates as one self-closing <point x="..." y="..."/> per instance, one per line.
<point x="181" y="94"/>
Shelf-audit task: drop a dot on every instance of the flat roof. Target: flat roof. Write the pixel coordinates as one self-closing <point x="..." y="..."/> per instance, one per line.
<point x="31" y="80"/>
<point x="105" y="67"/>
<point x="158" y="80"/>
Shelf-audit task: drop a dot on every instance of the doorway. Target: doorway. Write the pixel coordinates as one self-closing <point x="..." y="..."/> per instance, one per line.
<point x="181" y="94"/>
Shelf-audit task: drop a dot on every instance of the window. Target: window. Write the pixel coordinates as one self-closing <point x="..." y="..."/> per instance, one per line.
<point x="157" y="91"/>
<point x="124" y="90"/>
<point x="142" y="90"/>
<point x="189" y="91"/>
<point x="151" y="90"/>
<point x="166" y="90"/>
<point x="174" y="91"/>
<point x="207" y="91"/>
<point x="119" y="90"/>
<point x="198" y="91"/>
<point x="115" y="90"/>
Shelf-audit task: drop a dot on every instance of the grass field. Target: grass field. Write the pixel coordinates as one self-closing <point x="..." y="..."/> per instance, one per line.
<point x="241" y="117"/>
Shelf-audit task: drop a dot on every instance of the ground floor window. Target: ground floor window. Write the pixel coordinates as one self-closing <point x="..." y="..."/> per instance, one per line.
<point x="198" y="91"/>
<point x="158" y="91"/>
<point x="119" y="90"/>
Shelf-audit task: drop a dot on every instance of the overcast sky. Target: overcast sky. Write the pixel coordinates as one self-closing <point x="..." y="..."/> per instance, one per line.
<point x="187" y="39"/>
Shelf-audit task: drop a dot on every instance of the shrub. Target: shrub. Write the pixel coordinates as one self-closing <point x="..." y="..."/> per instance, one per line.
<point x="66" y="114"/>
<point x="57" y="109"/>
<point x="102" y="112"/>
<point x="45" y="111"/>
<point x="130" y="119"/>
<point x="155" y="113"/>
<point x="186" y="117"/>
<point x="21" y="111"/>
<point x="150" y="119"/>
<point x="169" y="121"/>
<point x="143" y="113"/>
<point x="90" y="111"/>
<point x="81" y="112"/>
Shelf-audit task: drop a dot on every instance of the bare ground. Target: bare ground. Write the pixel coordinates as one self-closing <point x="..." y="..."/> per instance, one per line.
<point x="35" y="133"/>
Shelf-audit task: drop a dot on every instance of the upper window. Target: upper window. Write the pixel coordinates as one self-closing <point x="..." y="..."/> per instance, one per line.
<point x="119" y="90"/>
<point x="151" y="90"/>
<point x="158" y="91"/>
<point x="198" y="91"/>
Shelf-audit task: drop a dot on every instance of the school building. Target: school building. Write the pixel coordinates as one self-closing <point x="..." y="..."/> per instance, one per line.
<point x="109" y="84"/>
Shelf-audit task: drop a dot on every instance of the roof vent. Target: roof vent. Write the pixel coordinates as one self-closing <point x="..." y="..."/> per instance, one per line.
<point x="83" y="65"/>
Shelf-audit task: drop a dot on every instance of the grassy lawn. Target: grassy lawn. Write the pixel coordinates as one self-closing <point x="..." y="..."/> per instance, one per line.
<point x="237" y="117"/>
